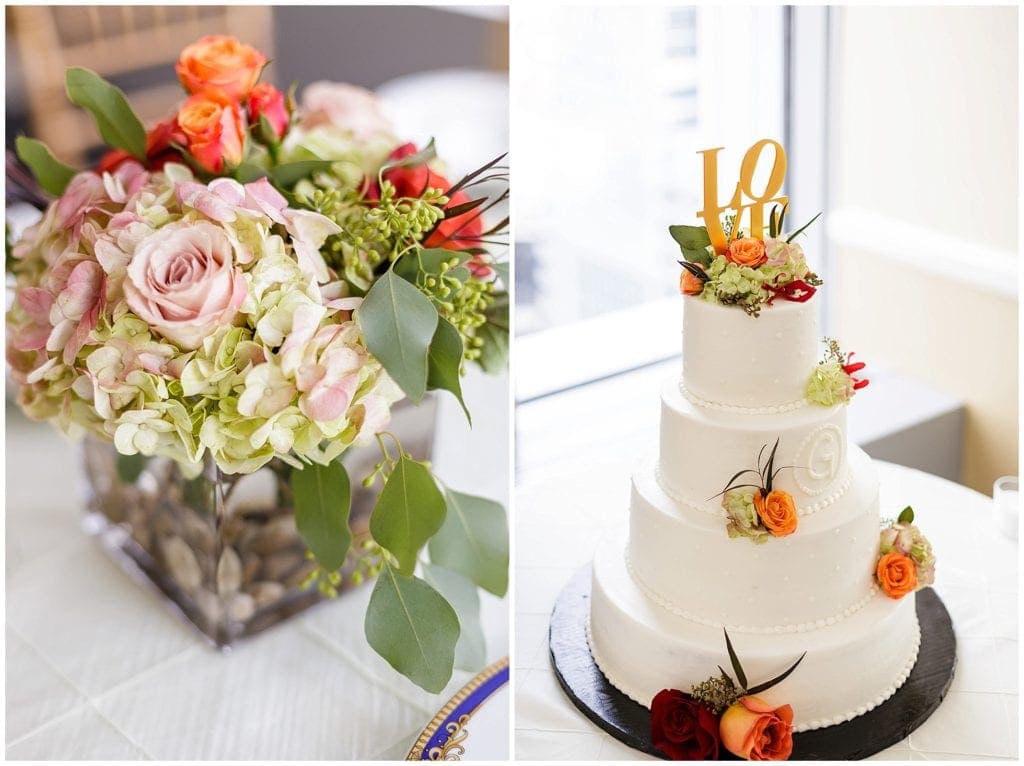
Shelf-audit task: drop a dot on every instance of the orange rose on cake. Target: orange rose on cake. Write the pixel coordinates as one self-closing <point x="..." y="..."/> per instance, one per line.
<point x="777" y="512"/>
<point x="755" y="731"/>
<point x="220" y="61"/>
<point x="747" y="252"/>
<point x="690" y="284"/>
<point x="897" y="574"/>
<point x="212" y="124"/>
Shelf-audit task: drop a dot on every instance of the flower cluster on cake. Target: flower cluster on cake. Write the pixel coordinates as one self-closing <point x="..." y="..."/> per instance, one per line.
<point x="753" y="445"/>
<point x="255" y="280"/>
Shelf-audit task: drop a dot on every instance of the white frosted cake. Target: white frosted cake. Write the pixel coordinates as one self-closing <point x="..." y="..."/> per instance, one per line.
<point x="663" y="593"/>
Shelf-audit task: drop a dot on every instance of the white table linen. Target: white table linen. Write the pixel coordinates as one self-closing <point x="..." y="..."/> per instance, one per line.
<point x="98" y="669"/>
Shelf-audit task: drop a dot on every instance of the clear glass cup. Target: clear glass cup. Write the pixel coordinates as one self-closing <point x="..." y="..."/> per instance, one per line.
<point x="1006" y="505"/>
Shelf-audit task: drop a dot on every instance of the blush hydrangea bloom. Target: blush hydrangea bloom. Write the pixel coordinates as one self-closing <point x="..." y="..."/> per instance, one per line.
<point x="178" y="318"/>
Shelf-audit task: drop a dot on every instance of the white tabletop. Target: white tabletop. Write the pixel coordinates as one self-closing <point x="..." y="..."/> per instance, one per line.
<point x="98" y="670"/>
<point x="574" y="487"/>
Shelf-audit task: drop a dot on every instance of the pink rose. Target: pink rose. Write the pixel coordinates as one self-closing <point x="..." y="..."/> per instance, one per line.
<point x="343" y="106"/>
<point x="183" y="282"/>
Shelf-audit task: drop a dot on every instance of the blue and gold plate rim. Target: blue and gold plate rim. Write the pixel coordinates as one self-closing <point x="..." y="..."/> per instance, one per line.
<point x="443" y="737"/>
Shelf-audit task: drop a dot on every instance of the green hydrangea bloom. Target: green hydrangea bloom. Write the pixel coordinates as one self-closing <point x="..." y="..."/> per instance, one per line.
<point x="743" y="518"/>
<point x="829" y="385"/>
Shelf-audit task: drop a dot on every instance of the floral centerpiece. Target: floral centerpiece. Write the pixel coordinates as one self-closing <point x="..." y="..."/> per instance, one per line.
<point x="250" y="286"/>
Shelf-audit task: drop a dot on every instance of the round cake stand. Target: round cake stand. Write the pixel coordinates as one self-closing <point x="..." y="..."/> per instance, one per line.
<point x="630" y="722"/>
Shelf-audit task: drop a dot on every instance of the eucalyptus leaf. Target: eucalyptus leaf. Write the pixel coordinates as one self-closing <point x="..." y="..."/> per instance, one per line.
<point x="502" y="270"/>
<point x="692" y="241"/>
<point x="444" y="360"/>
<point x="51" y="173"/>
<point x="291" y="173"/>
<point x="906" y="516"/>
<point x="428" y="262"/>
<point x="474" y="541"/>
<point x="494" y="351"/>
<point x="114" y="117"/>
<point x="409" y="511"/>
<point x="471" y="650"/>
<point x="130" y="467"/>
<point x="248" y="172"/>
<point x="398" y="322"/>
<point x="323" y="498"/>
<point x="414" y="628"/>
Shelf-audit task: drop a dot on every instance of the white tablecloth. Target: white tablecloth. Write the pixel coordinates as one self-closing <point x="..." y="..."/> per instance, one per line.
<point x="98" y="670"/>
<point x="568" y="497"/>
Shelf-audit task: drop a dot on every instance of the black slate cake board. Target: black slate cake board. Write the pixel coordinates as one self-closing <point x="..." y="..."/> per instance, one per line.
<point x="629" y="722"/>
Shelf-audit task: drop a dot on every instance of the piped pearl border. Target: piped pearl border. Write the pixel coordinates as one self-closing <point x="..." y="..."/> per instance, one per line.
<point x="773" y="409"/>
<point x="803" y="511"/>
<point x="800" y="627"/>
<point x="889" y="691"/>
<point x="810" y="725"/>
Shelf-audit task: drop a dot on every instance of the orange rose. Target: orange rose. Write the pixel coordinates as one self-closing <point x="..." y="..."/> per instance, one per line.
<point x="755" y="731"/>
<point x="219" y="61"/>
<point x="689" y="284"/>
<point x="897" y="574"/>
<point x="212" y="124"/>
<point x="747" y="252"/>
<point x="777" y="512"/>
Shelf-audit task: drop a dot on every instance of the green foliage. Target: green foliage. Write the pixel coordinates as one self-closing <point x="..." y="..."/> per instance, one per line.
<point x="493" y="336"/>
<point x="800" y="231"/>
<point x="398" y="323"/>
<point x="906" y="516"/>
<point x="409" y="511"/>
<point x="414" y="628"/>
<point x="474" y="541"/>
<point x="502" y="270"/>
<point x="51" y="174"/>
<point x="444" y="361"/>
<point x="130" y="467"/>
<point x="471" y="651"/>
<point x="116" y="121"/>
<point x="247" y="172"/>
<point x="693" y="242"/>
<point x="323" y="498"/>
<point x="289" y="174"/>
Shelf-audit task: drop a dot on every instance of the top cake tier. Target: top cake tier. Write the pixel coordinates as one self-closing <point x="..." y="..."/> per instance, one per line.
<point x="734" y="360"/>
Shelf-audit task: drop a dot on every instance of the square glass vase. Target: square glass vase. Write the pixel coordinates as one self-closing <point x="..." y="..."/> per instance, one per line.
<point x="223" y="550"/>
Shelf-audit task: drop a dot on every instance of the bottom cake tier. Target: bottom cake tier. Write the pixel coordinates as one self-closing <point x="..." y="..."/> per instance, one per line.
<point x="851" y="666"/>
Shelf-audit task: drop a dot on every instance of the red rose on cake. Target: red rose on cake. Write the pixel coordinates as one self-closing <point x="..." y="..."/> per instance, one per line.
<point x="683" y="728"/>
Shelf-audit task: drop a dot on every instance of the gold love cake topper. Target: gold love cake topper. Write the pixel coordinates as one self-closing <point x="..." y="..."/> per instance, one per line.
<point x="744" y="197"/>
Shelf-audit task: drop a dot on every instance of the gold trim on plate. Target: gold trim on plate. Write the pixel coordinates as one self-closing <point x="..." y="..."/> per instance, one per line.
<point x="452" y="750"/>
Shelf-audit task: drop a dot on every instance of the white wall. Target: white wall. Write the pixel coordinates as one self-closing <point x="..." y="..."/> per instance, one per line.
<point x="925" y="218"/>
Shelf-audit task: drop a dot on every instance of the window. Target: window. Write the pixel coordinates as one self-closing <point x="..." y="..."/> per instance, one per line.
<point x="613" y="103"/>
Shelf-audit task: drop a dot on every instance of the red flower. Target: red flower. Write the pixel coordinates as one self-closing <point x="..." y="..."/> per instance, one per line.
<point x="460" y="232"/>
<point x="110" y="161"/>
<point x="683" y="728"/>
<point x="797" y="291"/>
<point x="159" y="148"/>
<point x="160" y="143"/>
<point x="851" y="367"/>
<point x="267" y="101"/>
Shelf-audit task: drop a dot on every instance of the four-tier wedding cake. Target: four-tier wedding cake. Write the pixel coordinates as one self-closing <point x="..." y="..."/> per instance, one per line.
<point x="758" y="515"/>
